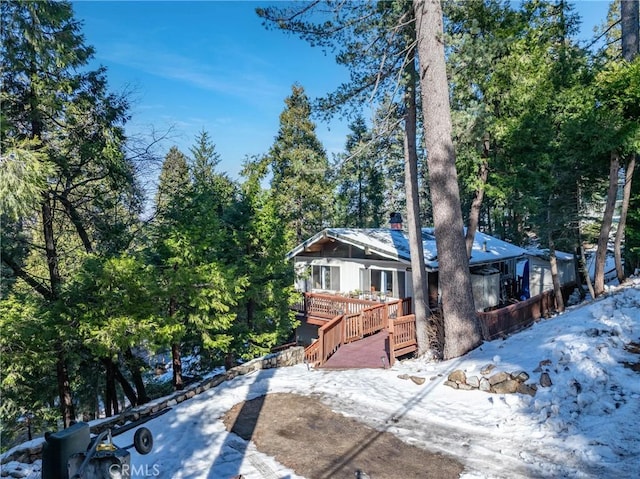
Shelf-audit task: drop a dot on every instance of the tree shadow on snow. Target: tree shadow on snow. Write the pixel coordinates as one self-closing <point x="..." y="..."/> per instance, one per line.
<point x="235" y="449"/>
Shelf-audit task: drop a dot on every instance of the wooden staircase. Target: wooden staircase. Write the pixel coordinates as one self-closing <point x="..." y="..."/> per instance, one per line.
<point x="383" y="320"/>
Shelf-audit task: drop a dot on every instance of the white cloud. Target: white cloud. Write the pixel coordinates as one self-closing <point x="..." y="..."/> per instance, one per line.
<point x="192" y="72"/>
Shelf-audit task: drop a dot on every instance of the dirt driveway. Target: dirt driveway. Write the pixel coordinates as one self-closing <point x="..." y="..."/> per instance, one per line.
<point x="306" y="436"/>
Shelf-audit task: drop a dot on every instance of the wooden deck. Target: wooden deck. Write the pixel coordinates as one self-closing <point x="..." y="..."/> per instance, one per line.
<point x="385" y="328"/>
<point x="370" y="353"/>
<point x="357" y="333"/>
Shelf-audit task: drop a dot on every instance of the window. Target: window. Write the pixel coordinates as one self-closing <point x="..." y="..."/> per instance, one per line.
<point x="382" y="281"/>
<point x="325" y="277"/>
<point x="385" y="281"/>
<point x="401" y="290"/>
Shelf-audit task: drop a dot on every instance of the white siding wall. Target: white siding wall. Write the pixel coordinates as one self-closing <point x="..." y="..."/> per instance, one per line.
<point x="540" y="274"/>
<point x="349" y="272"/>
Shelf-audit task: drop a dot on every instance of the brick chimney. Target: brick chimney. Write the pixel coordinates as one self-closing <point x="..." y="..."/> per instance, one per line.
<point x="395" y="221"/>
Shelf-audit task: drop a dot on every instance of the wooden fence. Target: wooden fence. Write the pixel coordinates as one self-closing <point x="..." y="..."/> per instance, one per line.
<point x="514" y="317"/>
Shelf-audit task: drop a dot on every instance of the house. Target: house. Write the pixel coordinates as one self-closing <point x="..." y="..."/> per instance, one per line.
<point x="375" y="264"/>
<point x="356" y="283"/>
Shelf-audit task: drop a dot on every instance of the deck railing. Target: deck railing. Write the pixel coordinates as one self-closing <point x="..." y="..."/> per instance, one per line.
<point x="402" y="336"/>
<point x="374" y="319"/>
<point x="329" y="305"/>
<point x="352" y="327"/>
<point x="514" y="317"/>
<point x="346" y="328"/>
<point x="352" y="319"/>
<point x="330" y="338"/>
<point x="312" y="353"/>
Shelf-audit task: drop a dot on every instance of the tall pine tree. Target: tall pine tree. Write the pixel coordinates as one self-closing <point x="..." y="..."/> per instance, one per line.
<point x="58" y="112"/>
<point x="299" y="168"/>
<point x="260" y="240"/>
<point x="376" y="41"/>
<point x="359" y="181"/>
<point x="199" y="288"/>
<point x="461" y="327"/>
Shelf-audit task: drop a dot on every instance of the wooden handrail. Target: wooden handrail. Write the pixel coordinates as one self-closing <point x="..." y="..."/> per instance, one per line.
<point x="352" y="327"/>
<point x="352" y="319"/>
<point x="346" y="328"/>
<point x="330" y="338"/>
<point x="402" y="336"/>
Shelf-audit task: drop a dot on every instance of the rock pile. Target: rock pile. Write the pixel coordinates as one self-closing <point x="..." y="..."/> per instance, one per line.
<point x="496" y="382"/>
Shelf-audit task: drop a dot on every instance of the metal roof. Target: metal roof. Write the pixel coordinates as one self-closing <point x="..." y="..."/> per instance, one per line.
<point x="394" y="244"/>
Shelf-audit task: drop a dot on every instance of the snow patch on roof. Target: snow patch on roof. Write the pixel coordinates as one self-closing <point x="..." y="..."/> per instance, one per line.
<point x="544" y="254"/>
<point x="394" y="244"/>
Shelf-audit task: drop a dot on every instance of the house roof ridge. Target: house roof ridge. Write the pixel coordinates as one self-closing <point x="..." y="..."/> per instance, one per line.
<point x="394" y="244"/>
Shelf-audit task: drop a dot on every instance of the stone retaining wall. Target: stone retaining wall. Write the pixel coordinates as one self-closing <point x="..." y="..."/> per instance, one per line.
<point x="289" y="357"/>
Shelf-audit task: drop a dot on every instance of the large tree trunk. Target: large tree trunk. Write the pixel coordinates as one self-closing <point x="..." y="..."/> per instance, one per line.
<point x="134" y="364"/>
<point x="55" y="282"/>
<point x="557" y="289"/>
<point x="110" y="394"/>
<point x="553" y="261"/>
<point x="176" y="361"/>
<point x="429" y="341"/>
<point x="462" y="331"/>
<point x="605" y="229"/>
<point x="582" y="262"/>
<point x="50" y="246"/>
<point x="64" y="391"/>
<point x="630" y="26"/>
<point x="126" y="387"/>
<point x="630" y="21"/>
<point x="626" y="198"/>
<point x="582" y="266"/>
<point x="476" y="204"/>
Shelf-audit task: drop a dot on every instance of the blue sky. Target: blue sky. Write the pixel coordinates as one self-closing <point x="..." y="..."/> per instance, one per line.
<point x="212" y="65"/>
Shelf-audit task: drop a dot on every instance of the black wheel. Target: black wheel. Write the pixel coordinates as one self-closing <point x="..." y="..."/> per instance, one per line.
<point x="143" y="441"/>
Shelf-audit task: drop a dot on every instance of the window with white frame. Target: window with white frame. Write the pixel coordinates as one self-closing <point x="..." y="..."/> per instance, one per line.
<point x="325" y="277"/>
<point x="382" y="281"/>
<point x="385" y="281"/>
<point x="400" y="288"/>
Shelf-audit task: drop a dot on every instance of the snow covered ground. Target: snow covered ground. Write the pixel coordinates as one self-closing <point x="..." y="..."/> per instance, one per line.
<point x="584" y="426"/>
